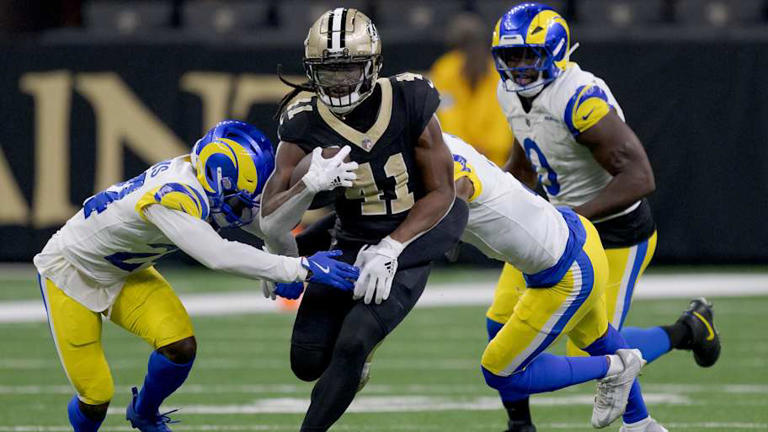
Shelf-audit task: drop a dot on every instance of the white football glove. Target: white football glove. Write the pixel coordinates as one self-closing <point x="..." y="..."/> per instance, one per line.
<point x="377" y="264"/>
<point x="268" y="288"/>
<point x="328" y="174"/>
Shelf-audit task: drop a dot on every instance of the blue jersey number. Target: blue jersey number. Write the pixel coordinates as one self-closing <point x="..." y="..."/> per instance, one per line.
<point x="551" y="185"/>
<point x="130" y="261"/>
<point x="99" y="202"/>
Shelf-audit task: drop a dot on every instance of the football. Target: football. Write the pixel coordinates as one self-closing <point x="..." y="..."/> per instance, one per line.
<point x="301" y="168"/>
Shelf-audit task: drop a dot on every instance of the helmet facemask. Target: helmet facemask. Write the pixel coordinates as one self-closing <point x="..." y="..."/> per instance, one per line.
<point x="236" y="209"/>
<point x="525" y="69"/>
<point x="344" y="83"/>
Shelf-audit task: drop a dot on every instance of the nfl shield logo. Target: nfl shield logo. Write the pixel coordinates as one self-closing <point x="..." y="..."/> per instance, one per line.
<point x="367" y="143"/>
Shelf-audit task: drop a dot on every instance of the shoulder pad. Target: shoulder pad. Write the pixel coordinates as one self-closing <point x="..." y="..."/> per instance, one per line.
<point x="176" y="196"/>
<point x="587" y="105"/>
<point x="294" y="121"/>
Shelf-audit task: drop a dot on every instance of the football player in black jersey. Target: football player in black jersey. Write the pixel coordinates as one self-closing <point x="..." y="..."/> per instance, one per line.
<point x="394" y="201"/>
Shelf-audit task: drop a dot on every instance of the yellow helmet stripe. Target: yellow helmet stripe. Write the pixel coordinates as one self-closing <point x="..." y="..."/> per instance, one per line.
<point x="496" y="33"/>
<point x="537" y="30"/>
<point x="208" y="151"/>
<point x="247" y="175"/>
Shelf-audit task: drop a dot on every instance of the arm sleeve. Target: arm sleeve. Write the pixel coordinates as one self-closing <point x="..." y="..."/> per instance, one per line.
<point x="421" y="98"/>
<point x="199" y="240"/>
<point x="284" y="244"/>
<point x="287" y="216"/>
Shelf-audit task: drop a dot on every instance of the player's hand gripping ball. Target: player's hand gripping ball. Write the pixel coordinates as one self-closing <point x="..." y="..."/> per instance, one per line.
<point x="325" y="169"/>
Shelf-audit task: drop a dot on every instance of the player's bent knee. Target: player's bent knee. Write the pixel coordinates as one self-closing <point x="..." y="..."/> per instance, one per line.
<point x="99" y="392"/>
<point x="516" y="383"/>
<point x="352" y="347"/>
<point x="307" y="363"/>
<point x="180" y="352"/>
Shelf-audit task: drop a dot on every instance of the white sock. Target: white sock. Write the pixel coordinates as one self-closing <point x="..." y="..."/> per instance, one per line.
<point x="616" y="366"/>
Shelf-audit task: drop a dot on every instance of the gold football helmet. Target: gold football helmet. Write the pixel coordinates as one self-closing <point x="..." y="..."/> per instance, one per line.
<point x="342" y="58"/>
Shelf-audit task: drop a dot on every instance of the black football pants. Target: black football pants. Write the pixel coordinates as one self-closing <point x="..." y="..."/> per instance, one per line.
<point x="333" y="334"/>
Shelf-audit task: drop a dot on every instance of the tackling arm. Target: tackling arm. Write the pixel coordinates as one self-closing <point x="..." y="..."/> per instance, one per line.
<point x="436" y="165"/>
<point x="282" y="206"/>
<point x="200" y="241"/>
<point x="617" y="149"/>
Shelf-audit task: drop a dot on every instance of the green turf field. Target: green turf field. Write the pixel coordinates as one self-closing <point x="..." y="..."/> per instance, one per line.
<point x="425" y="378"/>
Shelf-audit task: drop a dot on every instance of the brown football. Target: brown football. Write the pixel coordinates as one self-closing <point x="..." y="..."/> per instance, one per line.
<point x="301" y="168"/>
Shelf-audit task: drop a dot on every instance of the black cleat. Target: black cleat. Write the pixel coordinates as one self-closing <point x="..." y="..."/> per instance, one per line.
<point x="520" y="427"/>
<point x="705" y="341"/>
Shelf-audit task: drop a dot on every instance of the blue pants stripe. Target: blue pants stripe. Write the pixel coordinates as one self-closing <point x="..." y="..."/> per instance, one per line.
<point x="642" y="249"/>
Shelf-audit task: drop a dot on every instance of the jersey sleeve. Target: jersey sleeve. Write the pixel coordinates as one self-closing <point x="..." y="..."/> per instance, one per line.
<point x="295" y="122"/>
<point x="175" y="196"/>
<point x="421" y="98"/>
<point x="587" y="105"/>
<point x="462" y="168"/>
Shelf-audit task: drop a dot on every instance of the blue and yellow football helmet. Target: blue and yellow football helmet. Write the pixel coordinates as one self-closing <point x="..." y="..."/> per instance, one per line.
<point x="233" y="162"/>
<point x="531" y="43"/>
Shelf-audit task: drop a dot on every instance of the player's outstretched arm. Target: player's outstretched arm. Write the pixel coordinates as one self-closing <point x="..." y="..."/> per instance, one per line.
<point x="617" y="149"/>
<point x="520" y="167"/>
<point x="200" y="241"/>
<point x="293" y="201"/>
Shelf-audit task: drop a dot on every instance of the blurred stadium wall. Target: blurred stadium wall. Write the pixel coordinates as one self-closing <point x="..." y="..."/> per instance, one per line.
<point x="85" y="107"/>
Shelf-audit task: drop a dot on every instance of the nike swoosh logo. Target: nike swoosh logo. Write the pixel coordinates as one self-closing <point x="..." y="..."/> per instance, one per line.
<point x="711" y="334"/>
<point x="588" y="114"/>
<point x="323" y="269"/>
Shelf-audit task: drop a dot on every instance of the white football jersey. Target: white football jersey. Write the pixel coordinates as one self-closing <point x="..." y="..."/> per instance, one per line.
<point x="109" y="238"/>
<point x="507" y="221"/>
<point x="571" y="104"/>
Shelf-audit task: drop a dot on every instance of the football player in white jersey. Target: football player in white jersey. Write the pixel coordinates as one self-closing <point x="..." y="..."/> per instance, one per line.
<point x="566" y="272"/>
<point x="572" y="141"/>
<point x="100" y="265"/>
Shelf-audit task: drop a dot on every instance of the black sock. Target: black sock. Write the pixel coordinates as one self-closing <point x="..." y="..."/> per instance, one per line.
<point x="519" y="412"/>
<point x="680" y="335"/>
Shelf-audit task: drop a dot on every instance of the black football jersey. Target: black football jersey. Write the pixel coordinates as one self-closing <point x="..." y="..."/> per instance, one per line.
<point x="382" y="132"/>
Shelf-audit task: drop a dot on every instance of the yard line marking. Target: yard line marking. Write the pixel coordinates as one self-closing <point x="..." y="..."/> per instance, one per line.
<point x="380" y="389"/>
<point x="441" y="295"/>
<point x="398" y="427"/>
<point x="402" y="403"/>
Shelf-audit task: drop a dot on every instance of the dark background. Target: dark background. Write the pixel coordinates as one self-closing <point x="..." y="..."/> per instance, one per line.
<point x="697" y="100"/>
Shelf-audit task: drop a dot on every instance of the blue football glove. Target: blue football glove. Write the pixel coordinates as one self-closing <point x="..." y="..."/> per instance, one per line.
<point x="290" y="291"/>
<point x="326" y="270"/>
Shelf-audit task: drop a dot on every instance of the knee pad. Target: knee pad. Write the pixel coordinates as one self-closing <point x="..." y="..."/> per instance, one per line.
<point x="308" y="363"/>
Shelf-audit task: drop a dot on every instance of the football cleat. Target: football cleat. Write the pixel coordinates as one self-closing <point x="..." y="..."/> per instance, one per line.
<point x="515" y="426"/>
<point x="705" y="341"/>
<point x="157" y="423"/>
<point x="613" y="392"/>
<point x="646" y="425"/>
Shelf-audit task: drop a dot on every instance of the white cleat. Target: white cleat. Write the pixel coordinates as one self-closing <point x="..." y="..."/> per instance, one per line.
<point x="646" y="425"/>
<point x="613" y="392"/>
